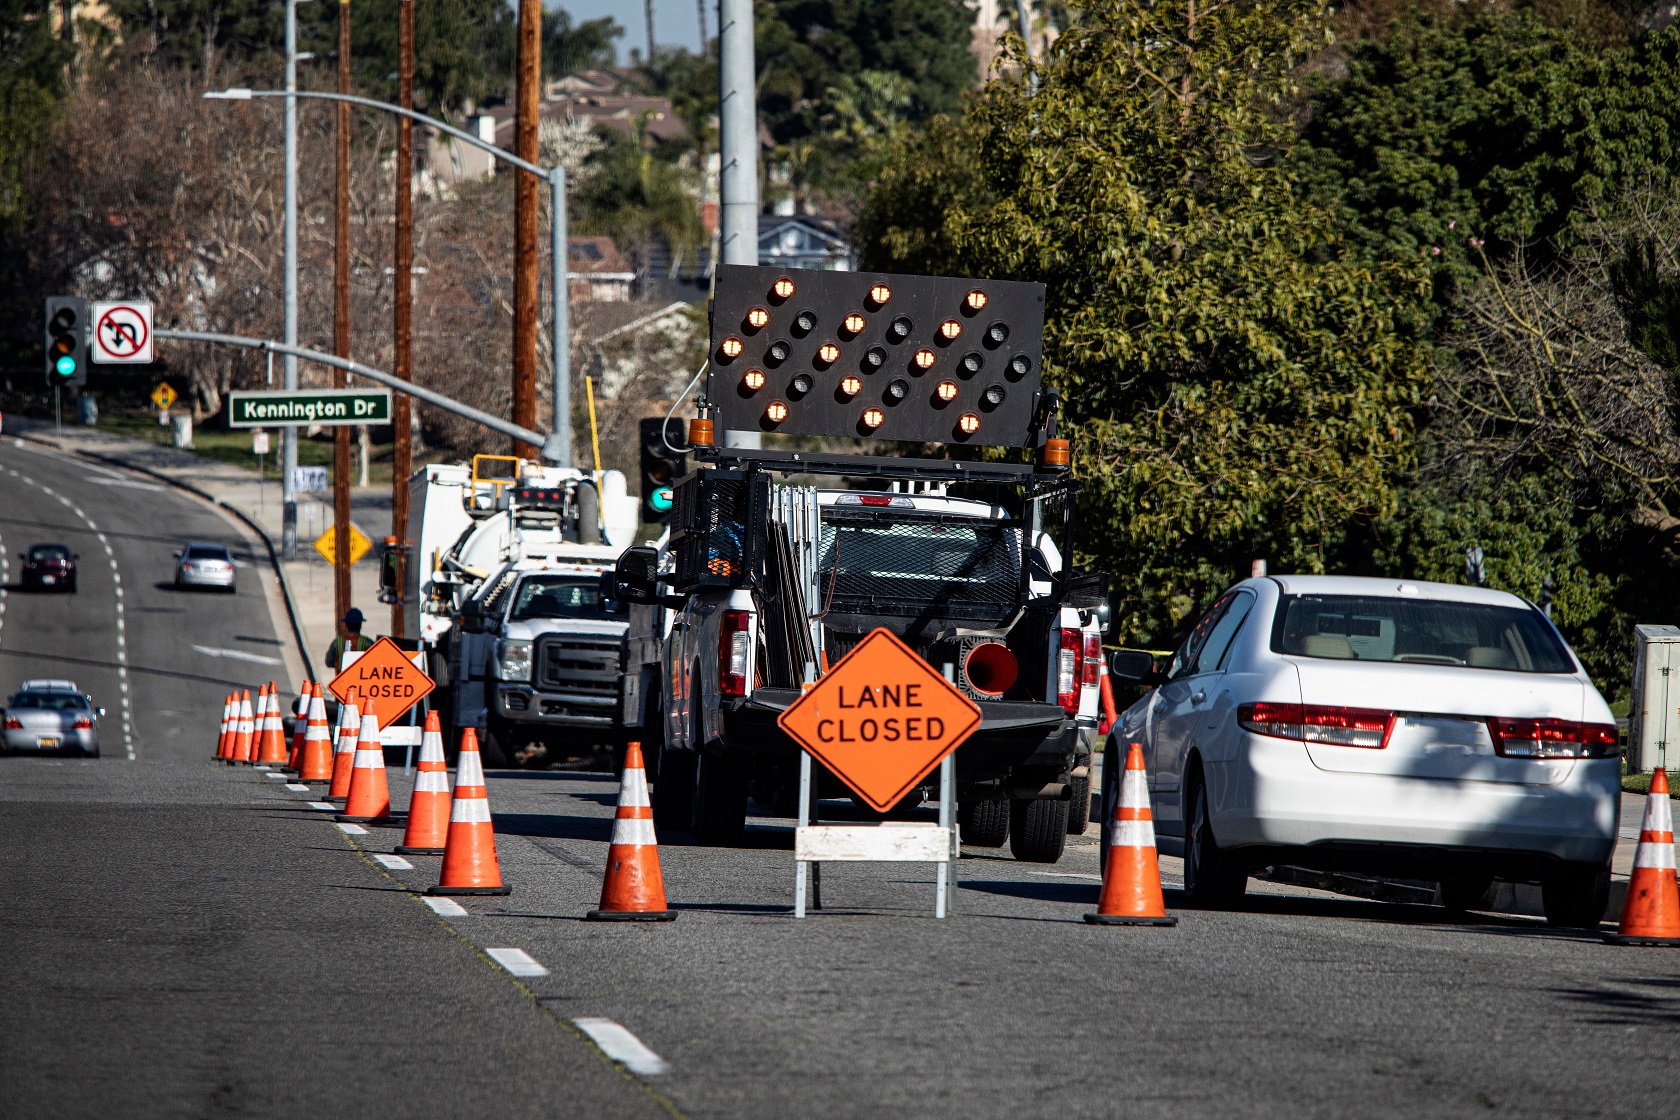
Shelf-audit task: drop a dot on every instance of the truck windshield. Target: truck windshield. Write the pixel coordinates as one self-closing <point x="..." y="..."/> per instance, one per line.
<point x="919" y="562"/>
<point x="1420" y="631"/>
<point x="561" y="597"/>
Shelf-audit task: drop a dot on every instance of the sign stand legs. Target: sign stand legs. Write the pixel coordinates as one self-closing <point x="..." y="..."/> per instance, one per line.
<point x="945" y="879"/>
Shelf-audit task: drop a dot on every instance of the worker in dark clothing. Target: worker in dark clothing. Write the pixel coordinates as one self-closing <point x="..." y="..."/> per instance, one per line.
<point x="349" y="638"/>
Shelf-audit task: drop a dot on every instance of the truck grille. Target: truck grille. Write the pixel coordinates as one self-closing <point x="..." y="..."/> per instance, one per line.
<point x="578" y="665"/>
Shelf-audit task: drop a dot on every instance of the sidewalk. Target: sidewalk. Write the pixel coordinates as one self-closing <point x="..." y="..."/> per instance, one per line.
<point x="309" y="577"/>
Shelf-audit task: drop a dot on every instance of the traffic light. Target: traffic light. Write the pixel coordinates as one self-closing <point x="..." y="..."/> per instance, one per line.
<point x="932" y="359"/>
<point x="66" y="340"/>
<point x="661" y="466"/>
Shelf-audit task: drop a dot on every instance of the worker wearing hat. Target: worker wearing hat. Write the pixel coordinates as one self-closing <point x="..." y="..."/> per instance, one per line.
<point x="349" y="638"/>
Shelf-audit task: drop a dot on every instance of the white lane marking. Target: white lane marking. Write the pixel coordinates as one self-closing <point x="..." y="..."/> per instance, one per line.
<point x="352" y="829"/>
<point x="517" y="961"/>
<point x="237" y="655"/>
<point x="324" y="806"/>
<point x="1069" y="875"/>
<point x="392" y="863"/>
<point x="622" y="1046"/>
<point x="298" y="788"/>
<point x="280" y="777"/>
<point x="129" y="482"/>
<point x="445" y="907"/>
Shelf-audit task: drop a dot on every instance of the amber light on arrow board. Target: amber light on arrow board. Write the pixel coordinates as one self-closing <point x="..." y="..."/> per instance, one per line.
<point x="731" y="348"/>
<point x="758" y="318"/>
<point x="782" y="289"/>
<point x="754" y="380"/>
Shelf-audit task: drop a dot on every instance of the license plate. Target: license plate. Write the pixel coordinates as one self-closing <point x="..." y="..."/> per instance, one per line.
<point x="49" y="579"/>
<point x="44" y="742"/>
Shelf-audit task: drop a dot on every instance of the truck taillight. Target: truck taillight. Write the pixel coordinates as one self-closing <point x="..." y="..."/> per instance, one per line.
<point x="1090" y="669"/>
<point x="734" y="645"/>
<point x="1068" y="671"/>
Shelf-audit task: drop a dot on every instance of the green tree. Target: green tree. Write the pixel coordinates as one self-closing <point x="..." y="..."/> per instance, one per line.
<point x="635" y="196"/>
<point x="569" y="47"/>
<point x="32" y="62"/>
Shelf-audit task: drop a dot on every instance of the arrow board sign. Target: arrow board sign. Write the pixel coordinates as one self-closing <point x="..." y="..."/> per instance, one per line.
<point x="122" y="332"/>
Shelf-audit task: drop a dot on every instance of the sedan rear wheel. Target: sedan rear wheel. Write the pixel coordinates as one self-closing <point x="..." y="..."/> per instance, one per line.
<point x="1212" y="878"/>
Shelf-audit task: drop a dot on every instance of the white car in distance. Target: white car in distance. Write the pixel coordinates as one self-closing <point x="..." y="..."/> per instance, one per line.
<point x="1393" y="727"/>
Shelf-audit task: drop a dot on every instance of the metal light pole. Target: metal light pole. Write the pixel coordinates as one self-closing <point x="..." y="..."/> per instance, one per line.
<point x="402" y="306"/>
<point x="289" y="434"/>
<point x="737" y="149"/>
<point x="341" y="326"/>
<point x="529" y="93"/>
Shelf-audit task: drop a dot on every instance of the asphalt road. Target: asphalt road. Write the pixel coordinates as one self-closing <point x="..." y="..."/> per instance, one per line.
<point x="186" y="939"/>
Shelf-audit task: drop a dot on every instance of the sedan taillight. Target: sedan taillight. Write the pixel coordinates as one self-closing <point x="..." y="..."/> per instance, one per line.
<point x="82" y="723"/>
<point x="1553" y="738"/>
<point x="1319" y="723"/>
<point x="734" y="645"/>
<point x="1067" y="671"/>
<point x="13" y="724"/>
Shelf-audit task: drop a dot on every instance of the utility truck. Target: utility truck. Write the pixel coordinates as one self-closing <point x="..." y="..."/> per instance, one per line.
<point x="504" y="594"/>
<point x="777" y="562"/>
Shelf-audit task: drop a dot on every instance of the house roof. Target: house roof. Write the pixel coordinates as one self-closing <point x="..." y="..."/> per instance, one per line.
<point x="608" y="111"/>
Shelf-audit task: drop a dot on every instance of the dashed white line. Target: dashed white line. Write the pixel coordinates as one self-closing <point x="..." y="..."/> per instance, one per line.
<point x="295" y="786"/>
<point x="277" y="777"/>
<point x="517" y="961"/>
<point x="392" y="863"/>
<point x="352" y="829"/>
<point x="237" y="655"/>
<point x="445" y="907"/>
<point x="620" y="1045"/>
<point x="324" y="806"/>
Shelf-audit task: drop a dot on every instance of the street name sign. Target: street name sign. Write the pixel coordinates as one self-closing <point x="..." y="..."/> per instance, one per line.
<point x="122" y="332"/>
<point x="327" y="545"/>
<point x="881" y="719"/>
<point x="386" y="681"/>
<point x="328" y="407"/>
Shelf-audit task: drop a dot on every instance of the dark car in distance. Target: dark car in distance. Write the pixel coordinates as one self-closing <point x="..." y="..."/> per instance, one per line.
<point x="48" y="567"/>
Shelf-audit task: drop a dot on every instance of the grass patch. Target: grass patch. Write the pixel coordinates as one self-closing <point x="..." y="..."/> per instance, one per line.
<point x="234" y="447"/>
<point x="1641" y="783"/>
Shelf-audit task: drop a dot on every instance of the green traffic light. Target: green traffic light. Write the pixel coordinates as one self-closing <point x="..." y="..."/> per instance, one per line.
<point x="66" y="366"/>
<point x="660" y="500"/>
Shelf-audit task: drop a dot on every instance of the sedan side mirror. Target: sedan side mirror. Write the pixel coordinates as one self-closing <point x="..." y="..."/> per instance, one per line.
<point x="177" y="554"/>
<point x="101" y="711"/>
<point x="75" y="556"/>
<point x="1136" y="666"/>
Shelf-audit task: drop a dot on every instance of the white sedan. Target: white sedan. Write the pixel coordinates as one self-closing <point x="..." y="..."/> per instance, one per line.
<point x="1420" y="730"/>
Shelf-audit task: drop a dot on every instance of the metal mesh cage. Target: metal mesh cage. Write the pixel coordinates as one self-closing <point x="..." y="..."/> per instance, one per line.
<point x="719" y="518"/>
<point x="952" y="567"/>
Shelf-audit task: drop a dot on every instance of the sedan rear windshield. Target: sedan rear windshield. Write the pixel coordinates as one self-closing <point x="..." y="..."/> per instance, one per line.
<point x="48" y="701"/>
<point x="1418" y="631"/>
<point x="207" y="552"/>
<point x="49" y="552"/>
<point x="562" y="597"/>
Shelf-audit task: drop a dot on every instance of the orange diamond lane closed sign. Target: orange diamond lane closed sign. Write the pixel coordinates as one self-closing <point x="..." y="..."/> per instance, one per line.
<point x="387" y="683"/>
<point x="881" y="719"/>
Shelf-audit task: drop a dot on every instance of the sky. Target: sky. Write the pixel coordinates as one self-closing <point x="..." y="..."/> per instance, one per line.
<point x="676" y="23"/>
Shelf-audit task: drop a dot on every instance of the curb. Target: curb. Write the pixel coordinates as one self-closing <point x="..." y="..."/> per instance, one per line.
<point x="249" y="522"/>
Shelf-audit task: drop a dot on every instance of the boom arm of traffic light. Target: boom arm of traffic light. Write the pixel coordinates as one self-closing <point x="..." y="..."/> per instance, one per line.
<point x="552" y="444"/>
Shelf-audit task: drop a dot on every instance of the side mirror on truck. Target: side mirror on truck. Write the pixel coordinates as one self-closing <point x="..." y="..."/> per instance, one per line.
<point x="635" y="578"/>
<point x="1135" y="666"/>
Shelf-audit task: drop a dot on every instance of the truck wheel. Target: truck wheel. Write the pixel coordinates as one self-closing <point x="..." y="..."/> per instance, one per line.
<point x="720" y="799"/>
<point x="1079" y="807"/>
<point x="673" y="791"/>
<point x="1576" y="897"/>
<point x="1212" y="878"/>
<point x="1037" y="830"/>
<point x="984" y="824"/>
<point x="492" y="748"/>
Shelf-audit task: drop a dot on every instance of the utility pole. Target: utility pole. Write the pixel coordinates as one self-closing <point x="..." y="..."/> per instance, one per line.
<point x="341" y="328"/>
<point x="647" y="10"/>
<point x="289" y="433"/>
<point x="403" y="307"/>
<point x="737" y="149"/>
<point x="525" y="226"/>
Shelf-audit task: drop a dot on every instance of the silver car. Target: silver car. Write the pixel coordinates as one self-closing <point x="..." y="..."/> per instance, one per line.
<point x="204" y="565"/>
<point x="52" y="716"/>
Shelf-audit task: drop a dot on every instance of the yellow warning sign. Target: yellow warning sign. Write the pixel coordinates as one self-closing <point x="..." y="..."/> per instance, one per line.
<point x="326" y="544"/>
<point x="164" y="395"/>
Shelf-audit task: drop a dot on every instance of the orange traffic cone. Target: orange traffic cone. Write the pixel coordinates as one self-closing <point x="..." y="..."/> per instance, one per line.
<point x="315" y="762"/>
<point x="272" y="750"/>
<point x="370" y="796"/>
<point x="633" y="890"/>
<point x="1106" y="693"/>
<point x="244" y="730"/>
<point x="1131" y="889"/>
<point x="344" y="752"/>
<point x="428" y="808"/>
<point x="300" y="725"/>
<point x="1651" y="915"/>
<point x="469" y="856"/>
<point x="224" y="741"/>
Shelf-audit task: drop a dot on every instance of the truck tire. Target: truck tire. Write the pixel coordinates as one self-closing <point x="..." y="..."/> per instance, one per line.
<point x="492" y="748"/>
<point x="720" y="799"/>
<point x="984" y="824"/>
<point x="1079" y="806"/>
<point x="673" y="791"/>
<point x="1037" y="830"/>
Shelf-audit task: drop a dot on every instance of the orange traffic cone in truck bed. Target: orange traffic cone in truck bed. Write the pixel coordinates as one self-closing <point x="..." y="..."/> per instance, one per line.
<point x="1651" y="915"/>
<point x="634" y="889"/>
<point x="1131" y="889"/>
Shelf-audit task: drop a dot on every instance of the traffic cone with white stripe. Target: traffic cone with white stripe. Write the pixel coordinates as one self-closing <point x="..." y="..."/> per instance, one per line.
<point x="633" y="889"/>
<point x="244" y="730"/>
<point x="370" y="796"/>
<point x="1651" y="914"/>
<point x="1131" y="889"/>
<point x="344" y="752"/>
<point x="469" y="856"/>
<point x="300" y="725"/>
<point x="272" y="748"/>
<point x="315" y="763"/>
<point x="224" y="741"/>
<point x="428" y="808"/>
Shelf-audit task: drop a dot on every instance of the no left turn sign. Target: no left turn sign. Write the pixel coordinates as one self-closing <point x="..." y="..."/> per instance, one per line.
<point x="122" y="332"/>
